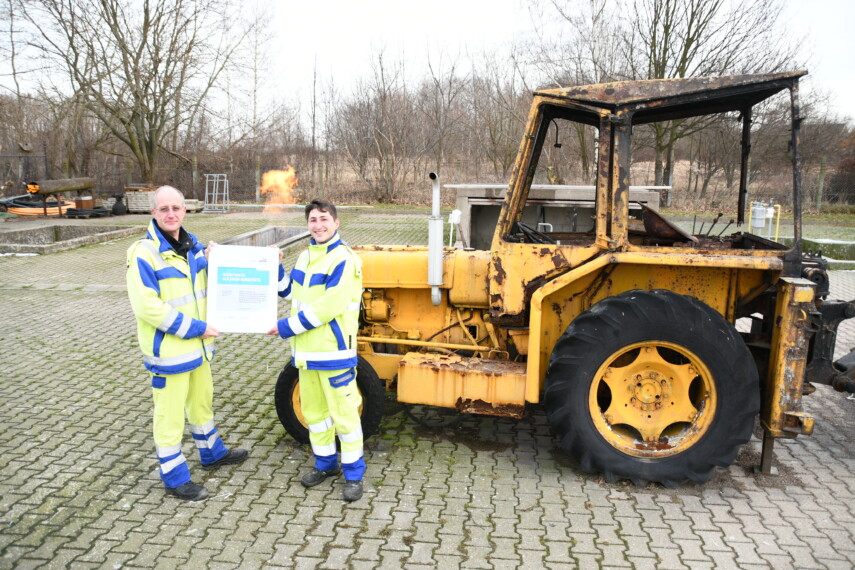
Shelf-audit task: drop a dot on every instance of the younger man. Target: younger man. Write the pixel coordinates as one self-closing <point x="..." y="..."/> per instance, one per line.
<point x="325" y="288"/>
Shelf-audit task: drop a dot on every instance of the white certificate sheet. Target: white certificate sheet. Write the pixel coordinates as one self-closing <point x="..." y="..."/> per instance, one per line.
<point x="242" y="288"/>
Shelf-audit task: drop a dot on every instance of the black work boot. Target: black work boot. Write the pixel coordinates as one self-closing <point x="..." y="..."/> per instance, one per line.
<point x="352" y="491"/>
<point x="189" y="492"/>
<point x="316" y="476"/>
<point x="231" y="457"/>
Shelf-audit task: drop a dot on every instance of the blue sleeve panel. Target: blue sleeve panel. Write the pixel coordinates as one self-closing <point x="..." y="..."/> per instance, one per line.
<point x="286" y="292"/>
<point x="148" y="275"/>
<point x="284" y="328"/>
<point x="334" y="277"/>
<point x="197" y="328"/>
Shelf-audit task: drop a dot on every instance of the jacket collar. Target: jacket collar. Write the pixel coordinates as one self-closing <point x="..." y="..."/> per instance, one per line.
<point x="327" y="247"/>
<point x="154" y="233"/>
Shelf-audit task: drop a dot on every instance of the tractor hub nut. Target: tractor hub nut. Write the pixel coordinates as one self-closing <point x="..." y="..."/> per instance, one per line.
<point x="648" y="391"/>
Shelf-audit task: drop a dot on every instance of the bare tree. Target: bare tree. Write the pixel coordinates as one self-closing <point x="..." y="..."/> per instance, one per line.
<point x="145" y="69"/>
<point x="664" y="39"/>
<point x="375" y="130"/>
<point x="842" y="186"/>
<point x="695" y="38"/>
<point x="440" y="100"/>
<point x="10" y="43"/>
<point x="500" y="103"/>
<point x="587" y="50"/>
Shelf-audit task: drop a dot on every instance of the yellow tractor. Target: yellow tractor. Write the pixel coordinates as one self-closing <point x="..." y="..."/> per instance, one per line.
<point x="620" y="322"/>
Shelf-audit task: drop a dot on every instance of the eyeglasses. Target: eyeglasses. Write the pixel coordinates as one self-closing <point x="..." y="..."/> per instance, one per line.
<point x="167" y="209"/>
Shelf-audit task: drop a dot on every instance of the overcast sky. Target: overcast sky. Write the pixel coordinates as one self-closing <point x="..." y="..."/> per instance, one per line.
<point x="343" y="35"/>
<point x="829" y="29"/>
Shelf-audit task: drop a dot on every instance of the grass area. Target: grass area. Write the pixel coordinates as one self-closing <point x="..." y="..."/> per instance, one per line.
<point x="837" y="224"/>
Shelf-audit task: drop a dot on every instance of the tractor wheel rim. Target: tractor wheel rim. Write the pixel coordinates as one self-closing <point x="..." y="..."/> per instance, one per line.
<point x="652" y="399"/>
<point x="296" y="406"/>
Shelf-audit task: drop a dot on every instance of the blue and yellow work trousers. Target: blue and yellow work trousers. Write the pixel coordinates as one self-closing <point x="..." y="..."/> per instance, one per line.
<point x="330" y="401"/>
<point x="174" y="395"/>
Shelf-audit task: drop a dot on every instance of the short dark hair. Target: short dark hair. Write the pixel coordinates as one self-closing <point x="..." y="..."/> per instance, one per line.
<point x="323" y="206"/>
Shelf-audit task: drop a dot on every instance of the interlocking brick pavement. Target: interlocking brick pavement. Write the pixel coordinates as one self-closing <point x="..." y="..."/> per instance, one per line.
<point x="79" y="485"/>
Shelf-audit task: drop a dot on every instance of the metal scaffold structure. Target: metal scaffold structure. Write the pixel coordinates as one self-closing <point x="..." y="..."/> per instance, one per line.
<point x="216" y="193"/>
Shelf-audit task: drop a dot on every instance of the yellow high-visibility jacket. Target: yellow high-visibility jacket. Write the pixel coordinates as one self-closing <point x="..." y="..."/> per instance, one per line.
<point x="325" y="288"/>
<point x="168" y="297"/>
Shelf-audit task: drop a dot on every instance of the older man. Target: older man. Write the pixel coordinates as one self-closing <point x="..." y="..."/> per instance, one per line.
<point x="167" y="281"/>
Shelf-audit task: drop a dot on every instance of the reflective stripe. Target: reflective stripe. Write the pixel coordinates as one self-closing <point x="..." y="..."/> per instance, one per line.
<point x="205" y="436"/>
<point x="202" y="429"/>
<point x="159" y="262"/>
<point x="185" y="327"/>
<point x="307" y="324"/>
<point x="324" y="450"/>
<point x="177" y="369"/>
<point x="167" y="451"/>
<point x="172" y="464"/>
<point x="321" y="426"/>
<point x="342" y="379"/>
<point x="296" y="325"/>
<point x="185" y="300"/>
<point x="311" y="317"/>
<point x="197" y="295"/>
<point x="352" y="437"/>
<point x="351" y="456"/>
<point x="173" y="360"/>
<point x="207" y="443"/>
<point x="353" y="306"/>
<point x="169" y="320"/>
<point x="338" y="378"/>
<point x="323" y="356"/>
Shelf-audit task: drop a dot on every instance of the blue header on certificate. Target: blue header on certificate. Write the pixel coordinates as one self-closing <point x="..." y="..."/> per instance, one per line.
<point x="242" y="276"/>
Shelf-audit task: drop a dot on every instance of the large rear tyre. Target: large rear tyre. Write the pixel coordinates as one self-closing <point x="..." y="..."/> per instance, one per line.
<point x="287" y="399"/>
<point x="652" y="386"/>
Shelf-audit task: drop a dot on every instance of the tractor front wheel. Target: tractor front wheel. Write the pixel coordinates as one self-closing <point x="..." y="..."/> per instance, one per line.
<point x="652" y="386"/>
<point x="287" y="400"/>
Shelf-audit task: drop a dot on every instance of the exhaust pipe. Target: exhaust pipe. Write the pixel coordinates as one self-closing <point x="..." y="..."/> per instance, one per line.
<point x="435" y="243"/>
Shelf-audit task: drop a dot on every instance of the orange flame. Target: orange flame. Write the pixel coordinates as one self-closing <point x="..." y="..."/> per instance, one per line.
<point x="276" y="187"/>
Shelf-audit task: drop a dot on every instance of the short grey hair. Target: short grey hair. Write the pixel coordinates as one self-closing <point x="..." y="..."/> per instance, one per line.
<point x="156" y="192"/>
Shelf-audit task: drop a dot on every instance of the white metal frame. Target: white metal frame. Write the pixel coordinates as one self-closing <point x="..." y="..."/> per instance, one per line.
<point x="216" y="193"/>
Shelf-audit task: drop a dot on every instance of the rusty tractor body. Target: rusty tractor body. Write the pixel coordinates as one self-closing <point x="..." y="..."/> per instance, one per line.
<point x="621" y="324"/>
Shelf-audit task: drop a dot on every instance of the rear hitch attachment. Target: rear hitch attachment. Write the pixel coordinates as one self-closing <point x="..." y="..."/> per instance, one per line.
<point x="821" y="368"/>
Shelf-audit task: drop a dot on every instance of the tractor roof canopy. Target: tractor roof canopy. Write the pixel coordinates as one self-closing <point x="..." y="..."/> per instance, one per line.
<point x="655" y="100"/>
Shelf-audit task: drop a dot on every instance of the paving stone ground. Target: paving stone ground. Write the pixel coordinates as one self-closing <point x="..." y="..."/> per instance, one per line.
<point x="79" y="485"/>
